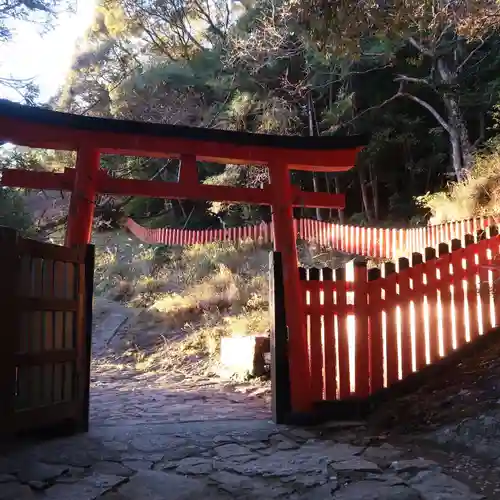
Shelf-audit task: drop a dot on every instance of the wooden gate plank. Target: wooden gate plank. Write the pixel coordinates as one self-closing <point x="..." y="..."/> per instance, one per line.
<point x="9" y="269"/>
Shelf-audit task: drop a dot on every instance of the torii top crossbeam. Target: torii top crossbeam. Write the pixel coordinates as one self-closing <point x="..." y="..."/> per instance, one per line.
<point x="90" y="137"/>
<point x="42" y="128"/>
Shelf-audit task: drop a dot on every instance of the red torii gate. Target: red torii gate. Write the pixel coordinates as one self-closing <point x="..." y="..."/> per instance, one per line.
<point x="90" y="137"/>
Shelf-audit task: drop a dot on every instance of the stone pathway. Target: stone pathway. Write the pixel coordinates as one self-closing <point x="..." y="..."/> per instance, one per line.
<point x="172" y="439"/>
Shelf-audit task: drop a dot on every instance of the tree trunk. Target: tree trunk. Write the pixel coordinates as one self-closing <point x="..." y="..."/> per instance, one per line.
<point x="374" y="185"/>
<point x="456" y="128"/>
<point x="340" y="212"/>
<point x="364" y="195"/>
<point x="316" y="190"/>
<point x="310" y="114"/>
<point x="456" y="156"/>
<point x="328" y="190"/>
<point x="461" y="147"/>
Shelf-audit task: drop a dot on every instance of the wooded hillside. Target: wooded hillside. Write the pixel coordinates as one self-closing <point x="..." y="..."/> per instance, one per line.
<point x="421" y="76"/>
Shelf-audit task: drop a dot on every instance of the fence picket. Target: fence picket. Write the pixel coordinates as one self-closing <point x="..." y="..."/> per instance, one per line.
<point x="495" y="270"/>
<point x="445" y="295"/>
<point x="391" y="332"/>
<point x="361" y="330"/>
<point x="375" y="333"/>
<point x="419" y="316"/>
<point x="314" y="333"/>
<point x="329" y="338"/>
<point x="493" y="262"/>
<point x="432" y="314"/>
<point x="471" y="295"/>
<point x="459" y="293"/>
<point x="483" y="285"/>
<point x="404" y="320"/>
<point x="342" y="334"/>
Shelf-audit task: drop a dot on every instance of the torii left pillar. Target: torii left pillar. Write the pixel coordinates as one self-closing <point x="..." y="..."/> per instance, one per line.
<point x="82" y="203"/>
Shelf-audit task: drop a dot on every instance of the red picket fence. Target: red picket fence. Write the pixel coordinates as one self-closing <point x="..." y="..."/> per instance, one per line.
<point x="367" y="241"/>
<point x="367" y="329"/>
<point x="168" y="236"/>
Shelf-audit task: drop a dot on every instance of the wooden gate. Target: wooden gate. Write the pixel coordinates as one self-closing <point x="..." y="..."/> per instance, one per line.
<point x="45" y="331"/>
<point x="280" y="374"/>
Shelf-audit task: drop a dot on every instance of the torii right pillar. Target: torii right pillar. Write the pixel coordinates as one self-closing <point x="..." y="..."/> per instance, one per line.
<point x="285" y="242"/>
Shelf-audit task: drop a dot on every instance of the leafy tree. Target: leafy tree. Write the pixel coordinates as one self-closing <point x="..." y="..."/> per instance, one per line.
<point x="12" y="211"/>
<point x="420" y="77"/>
<point x="448" y="42"/>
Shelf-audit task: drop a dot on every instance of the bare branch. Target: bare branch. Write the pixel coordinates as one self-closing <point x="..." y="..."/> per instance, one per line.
<point x="421" y="48"/>
<point x="429" y="108"/>
<point x="368" y="110"/>
<point x="411" y="79"/>
<point x="472" y="53"/>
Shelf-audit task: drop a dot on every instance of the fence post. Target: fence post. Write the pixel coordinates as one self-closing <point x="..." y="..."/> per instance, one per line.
<point x="459" y="293"/>
<point x="484" y="320"/>
<point x="362" y="360"/>
<point x="391" y="297"/>
<point x="419" y="289"/>
<point x="445" y="281"/>
<point x="344" y="369"/>
<point x="9" y="266"/>
<point x="432" y="299"/>
<point x="316" y="344"/>
<point x="280" y="376"/>
<point x="376" y="339"/>
<point x="329" y="347"/>
<point x="405" y="315"/>
<point x="83" y="425"/>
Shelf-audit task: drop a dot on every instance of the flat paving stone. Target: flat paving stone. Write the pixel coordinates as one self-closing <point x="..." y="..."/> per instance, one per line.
<point x="138" y="464"/>
<point x="16" y="491"/>
<point x="231" y="482"/>
<point x="7" y="478"/>
<point x="335" y="452"/>
<point x="324" y="492"/>
<point x="355" y="464"/>
<point x="282" y="463"/>
<point x="434" y="485"/>
<point x="375" y="490"/>
<point x="246" y="488"/>
<point x="195" y="465"/>
<point x="231" y="450"/>
<point x="113" y="468"/>
<point x="88" y="488"/>
<point x="181" y="452"/>
<point x="155" y="443"/>
<point x="74" y="457"/>
<point x="383" y="454"/>
<point x="37" y="471"/>
<point x="153" y="485"/>
<point x="413" y="466"/>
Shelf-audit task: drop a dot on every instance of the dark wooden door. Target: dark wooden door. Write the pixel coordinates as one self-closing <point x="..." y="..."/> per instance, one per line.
<point x="46" y="305"/>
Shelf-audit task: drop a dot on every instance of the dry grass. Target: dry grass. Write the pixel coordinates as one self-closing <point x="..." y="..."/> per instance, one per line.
<point x="479" y="195"/>
<point x="190" y="297"/>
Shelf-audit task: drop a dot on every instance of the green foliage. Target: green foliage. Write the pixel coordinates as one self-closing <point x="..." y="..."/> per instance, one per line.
<point x="13" y="213"/>
<point x="293" y="68"/>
